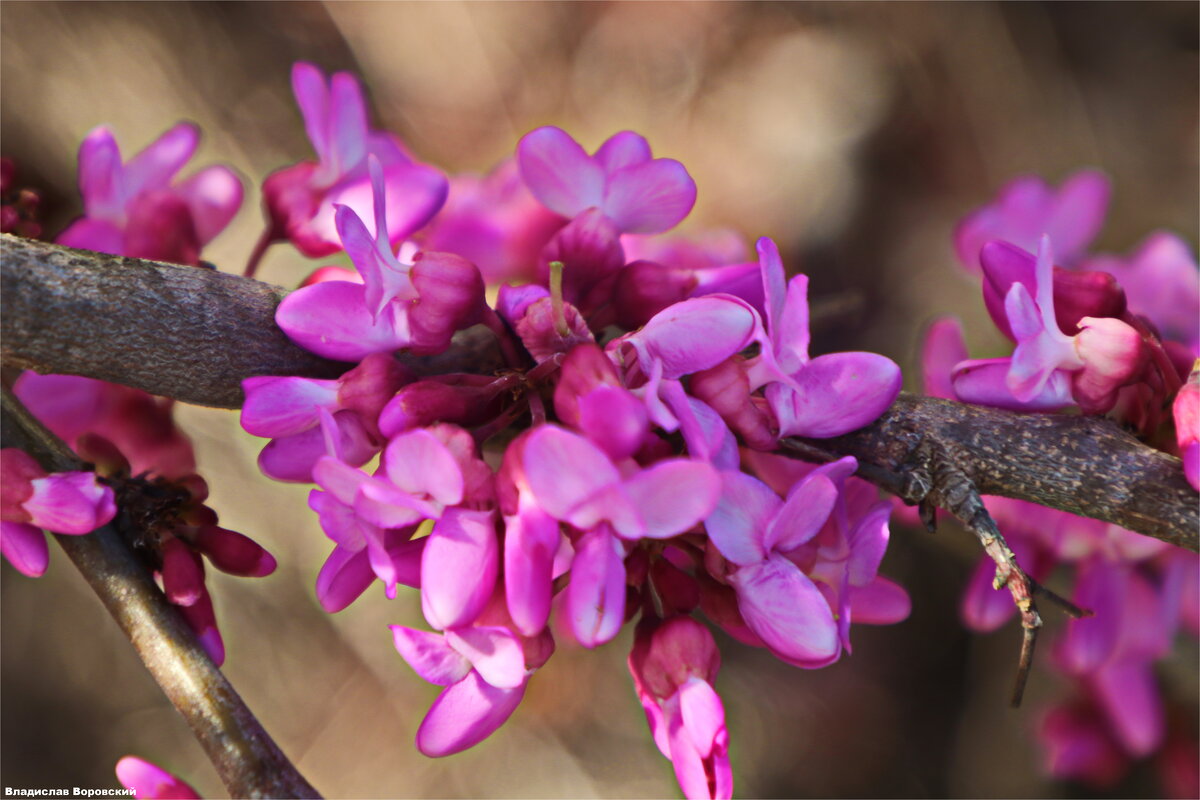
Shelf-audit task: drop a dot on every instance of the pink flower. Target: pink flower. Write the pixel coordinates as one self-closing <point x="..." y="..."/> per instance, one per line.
<point x="300" y="200"/>
<point x="72" y="503"/>
<point x="673" y="666"/>
<point x="148" y="781"/>
<point x="137" y="209"/>
<point x="638" y="193"/>
<point x="1027" y="208"/>
<point x="1187" y="426"/>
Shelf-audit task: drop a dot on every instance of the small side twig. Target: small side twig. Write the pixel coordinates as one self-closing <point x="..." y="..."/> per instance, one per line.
<point x="247" y="759"/>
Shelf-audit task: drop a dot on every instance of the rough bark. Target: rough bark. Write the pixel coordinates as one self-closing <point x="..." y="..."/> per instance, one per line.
<point x="194" y="334"/>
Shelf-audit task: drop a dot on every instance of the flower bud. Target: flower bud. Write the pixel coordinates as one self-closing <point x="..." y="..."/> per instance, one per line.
<point x="1113" y="355"/>
<point x="451" y="298"/>
<point x="645" y="288"/>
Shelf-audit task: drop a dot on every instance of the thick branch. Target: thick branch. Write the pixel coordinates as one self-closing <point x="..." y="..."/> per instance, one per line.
<point x="247" y="759"/>
<point x="195" y="334"/>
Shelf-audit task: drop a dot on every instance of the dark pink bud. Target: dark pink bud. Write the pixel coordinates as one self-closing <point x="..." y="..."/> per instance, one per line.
<point x="583" y="369"/>
<point x="540" y="330"/>
<point x="726" y="389"/>
<point x="589" y="247"/>
<point x="679" y="649"/>
<point x="368" y="387"/>
<point x="182" y="573"/>
<point x="232" y="552"/>
<point x="17" y="471"/>
<point x="451" y="298"/>
<point x="462" y="399"/>
<point x="645" y="288"/>
<point x="1113" y="355"/>
<point x="1079" y="294"/>
<point x="102" y="454"/>
<point x="678" y="590"/>
<point x="200" y="617"/>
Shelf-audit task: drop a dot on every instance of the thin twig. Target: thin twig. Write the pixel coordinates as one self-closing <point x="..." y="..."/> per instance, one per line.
<point x="247" y="759"/>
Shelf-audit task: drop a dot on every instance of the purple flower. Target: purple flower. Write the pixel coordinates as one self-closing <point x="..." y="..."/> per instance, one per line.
<point x="137" y="209"/>
<point x="417" y="306"/>
<point x="824" y="396"/>
<point x="1027" y="208"/>
<point x="1186" y="409"/>
<point x="301" y="200"/>
<point x="72" y="503"/>
<point x="638" y="193"/>
<point x="673" y="666"/>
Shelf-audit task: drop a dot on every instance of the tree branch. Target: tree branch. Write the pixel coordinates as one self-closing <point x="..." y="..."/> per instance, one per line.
<point x="247" y="759"/>
<point x="194" y="334"/>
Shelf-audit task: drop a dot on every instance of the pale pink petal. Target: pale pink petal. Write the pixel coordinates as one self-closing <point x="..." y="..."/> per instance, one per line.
<point x="382" y="504"/>
<point x="459" y="567"/>
<point x="787" y="611"/>
<point x="312" y="95"/>
<point x="880" y="602"/>
<point x="673" y="495"/>
<point x="464" y="715"/>
<point x="738" y="523"/>
<point x="414" y="194"/>
<point x="802" y="515"/>
<point x="154" y="167"/>
<point x="697" y="334"/>
<point x="564" y="469"/>
<point x="868" y="542"/>
<point x="25" y="548"/>
<point x="344" y="576"/>
<point x="622" y="149"/>
<point x="347" y="122"/>
<point x="430" y="655"/>
<point x="148" y="781"/>
<point x="1078" y="212"/>
<point x="332" y="319"/>
<point x="840" y="392"/>
<point x="418" y="463"/>
<point x="495" y="653"/>
<point x="650" y="197"/>
<point x="70" y="502"/>
<point x="285" y="406"/>
<point x="213" y="195"/>
<point x="559" y="172"/>
<point x="774" y="288"/>
<point x="596" y="593"/>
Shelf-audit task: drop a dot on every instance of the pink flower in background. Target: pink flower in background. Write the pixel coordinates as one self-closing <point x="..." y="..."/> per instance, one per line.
<point x="1027" y="208"/>
<point x="1187" y="426"/>
<point x="72" y="503"/>
<point x="151" y="782"/>
<point x="301" y="200"/>
<point x="637" y="192"/>
<point x="138" y="209"/>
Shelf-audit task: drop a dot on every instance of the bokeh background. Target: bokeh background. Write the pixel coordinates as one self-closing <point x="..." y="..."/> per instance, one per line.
<point x="856" y="134"/>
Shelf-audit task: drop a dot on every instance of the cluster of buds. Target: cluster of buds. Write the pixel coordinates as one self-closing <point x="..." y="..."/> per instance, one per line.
<point x="598" y="477"/>
<point x="138" y="209"/>
<point x="1108" y="335"/>
<point x="18" y="207"/>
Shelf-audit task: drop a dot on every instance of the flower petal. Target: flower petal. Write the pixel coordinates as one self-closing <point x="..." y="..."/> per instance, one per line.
<point x="153" y="168"/>
<point x="25" y="548"/>
<point x="418" y="463"/>
<point x="673" y="495"/>
<point x="623" y="149"/>
<point x="841" y="392"/>
<point x="430" y="655"/>
<point x="802" y="515"/>
<point x="738" y="523"/>
<point x="494" y="652"/>
<point x="531" y="540"/>
<point x="459" y="567"/>
<point x="559" y="172"/>
<point x="464" y="715"/>
<point x="564" y="469"/>
<point x="285" y="406"/>
<point x="788" y="612"/>
<point x="650" y="197"/>
<point x="213" y="195"/>
<point x="596" y="593"/>
<point x="331" y="319"/>
<point x="344" y="576"/>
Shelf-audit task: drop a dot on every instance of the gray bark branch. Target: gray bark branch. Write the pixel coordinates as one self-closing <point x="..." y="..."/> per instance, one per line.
<point x="194" y="334"/>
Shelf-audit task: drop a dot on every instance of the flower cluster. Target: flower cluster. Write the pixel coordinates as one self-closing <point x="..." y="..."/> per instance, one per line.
<point x="1108" y="335"/>
<point x="616" y="468"/>
<point x="138" y="209"/>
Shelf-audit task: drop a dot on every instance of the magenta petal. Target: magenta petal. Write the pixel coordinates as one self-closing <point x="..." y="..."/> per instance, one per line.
<point x="430" y="655"/>
<point x="738" y="524"/>
<point x="880" y="602"/>
<point x="67" y="404"/>
<point x="650" y="197"/>
<point x="614" y="419"/>
<point x="152" y="782"/>
<point x="699" y="743"/>
<point x="787" y="610"/>
<point x="531" y="540"/>
<point x="985" y="609"/>
<point x="1004" y="264"/>
<point x="559" y="172"/>
<point x="382" y="504"/>
<point x="1129" y="694"/>
<point x="70" y="502"/>
<point x="25" y="548"/>
<point x="332" y="319"/>
<point x="347" y="122"/>
<point x="153" y="168"/>
<point x="312" y="95"/>
<point x="292" y="458"/>
<point x="345" y="575"/>
<point x="703" y="713"/>
<point x="802" y="515"/>
<point x="596" y="594"/>
<point x="464" y="715"/>
<point x="213" y="195"/>
<point x="93" y="234"/>
<point x="1101" y="587"/>
<point x="285" y="406"/>
<point x="565" y="469"/>
<point x="100" y="176"/>
<point x="1078" y="212"/>
<point x="942" y="348"/>
<point x="418" y="463"/>
<point x="459" y="567"/>
<point x="868" y="543"/>
<point x="774" y="285"/>
<point x="495" y="652"/>
<point x="841" y="392"/>
<point x="673" y="495"/>
<point x="697" y="334"/>
<point x="985" y="382"/>
<point x="623" y="149"/>
<point x="414" y="194"/>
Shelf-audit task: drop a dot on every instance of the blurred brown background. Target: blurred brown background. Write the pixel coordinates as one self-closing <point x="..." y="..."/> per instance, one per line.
<point x="856" y="134"/>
